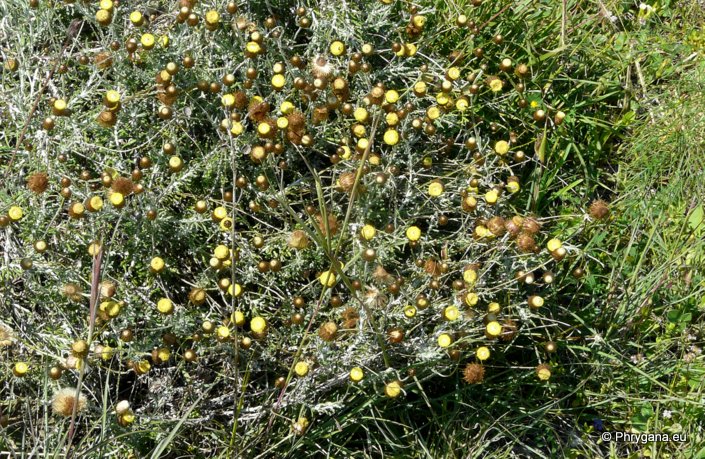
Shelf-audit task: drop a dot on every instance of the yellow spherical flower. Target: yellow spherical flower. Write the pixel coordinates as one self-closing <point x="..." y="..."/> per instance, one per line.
<point x="391" y="96"/>
<point x="157" y="264"/>
<point x="15" y="213"/>
<point x="278" y="81"/>
<point x="361" y="114"/>
<point x="165" y="306"/>
<point x="264" y="128"/>
<point x="103" y="17"/>
<point x="282" y="122"/>
<point x="482" y="353"/>
<point x="253" y="47"/>
<point x="117" y="199"/>
<point x="392" y="389"/>
<point x="513" y="187"/>
<point x="494" y="328"/>
<point x="391" y="118"/>
<point x="419" y="21"/>
<point x="543" y="372"/>
<point x="223" y="332"/>
<point x="107" y="353"/>
<point x="142" y="367"/>
<point x="470" y="276"/>
<point x="444" y="340"/>
<point x="420" y="88"/>
<point x="258" y="325"/>
<point x="493" y="307"/>
<point x="327" y="279"/>
<point x="453" y="73"/>
<point x="20" y="369"/>
<point x="228" y="100"/>
<point x="212" y="18"/>
<point x="471" y="299"/>
<point x="535" y="301"/>
<point x="436" y="188"/>
<point x="433" y="112"/>
<point x="413" y="233"/>
<point x="491" y="197"/>
<point x="462" y="104"/>
<point x="163" y="354"/>
<point x="496" y="85"/>
<point x="501" y="147"/>
<point x="112" y="308"/>
<point x="238" y="318"/>
<point x="95" y="203"/>
<point x="337" y="48"/>
<point x="356" y="374"/>
<point x="147" y="41"/>
<point x="451" y="313"/>
<point x="301" y="369"/>
<point x="136" y="18"/>
<point x="94" y="248"/>
<point x="391" y="137"/>
<point x="286" y="107"/>
<point x="368" y="232"/>
<point x="128" y="418"/>
<point x="235" y="290"/>
<point x="220" y="213"/>
<point x="237" y="128"/>
<point x="409" y="311"/>
<point x="554" y="244"/>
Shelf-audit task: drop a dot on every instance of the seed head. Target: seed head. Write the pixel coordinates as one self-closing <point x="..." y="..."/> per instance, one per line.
<point x="64" y="400"/>
<point x="474" y="373"/>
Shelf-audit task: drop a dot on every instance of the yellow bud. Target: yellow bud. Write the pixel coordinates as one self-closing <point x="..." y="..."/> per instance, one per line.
<point x="494" y="328"/>
<point x="356" y="374"/>
<point x="165" y="306"/>
<point x="413" y="233"/>
<point x="368" y="232"/>
<point x="444" y="340"/>
<point x="258" y="325"/>
<point x="482" y="353"/>
<point x="301" y="369"/>
<point x="327" y="279"/>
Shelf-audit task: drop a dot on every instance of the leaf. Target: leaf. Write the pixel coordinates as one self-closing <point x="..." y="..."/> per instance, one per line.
<point x="677" y="316"/>
<point x="696" y="220"/>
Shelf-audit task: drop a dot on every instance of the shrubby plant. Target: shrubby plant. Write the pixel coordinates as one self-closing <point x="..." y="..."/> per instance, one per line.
<point x="225" y="222"/>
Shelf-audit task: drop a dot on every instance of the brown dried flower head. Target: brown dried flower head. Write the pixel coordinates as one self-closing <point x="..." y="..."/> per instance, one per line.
<point x="347" y="181"/>
<point x="509" y="330"/>
<point x="474" y="373"/>
<point x="432" y="267"/>
<point x="298" y="239"/>
<point x="6" y="335"/>
<point x="321" y="68"/>
<point x="328" y="331"/>
<point x="123" y="185"/>
<point x="65" y="400"/>
<point x="351" y="318"/>
<point x="38" y="182"/>
<point x="72" y="291"/>
<point x="332" y="224"/>
<point x="599" y="209"/>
